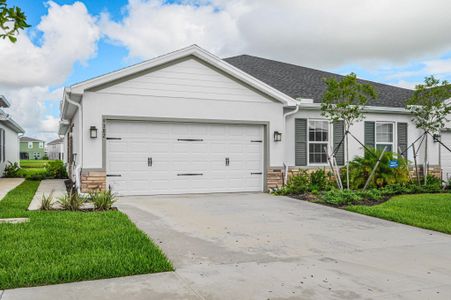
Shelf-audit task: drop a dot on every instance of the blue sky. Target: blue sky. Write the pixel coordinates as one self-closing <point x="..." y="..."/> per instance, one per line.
<point x="396" y="43"/>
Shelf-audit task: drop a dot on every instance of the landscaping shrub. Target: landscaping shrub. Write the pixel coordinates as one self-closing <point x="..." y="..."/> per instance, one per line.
<point x="47" y="201"/>
<point x="341" y="197"/>
<point x="56" y="169"/>
<point x="303" y="182"/>
<point x="11" y="170"/>
<point x="298" y="184"/>
<point x="71" y="201"/>
<point x="320" y="181"/>
<point x="361" y="167"/>
<point x="103" y="200"/>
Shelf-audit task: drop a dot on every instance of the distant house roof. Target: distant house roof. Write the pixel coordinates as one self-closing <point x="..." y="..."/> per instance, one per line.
<point x="6" y="120"/>
<point x="55" y="142"/>
<point x="301" y="82"/>
<point x="3" y="101"/>
<point x="29" y="139"/>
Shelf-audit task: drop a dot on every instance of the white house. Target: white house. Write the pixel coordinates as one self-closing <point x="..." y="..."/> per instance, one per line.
<point x="55" y="149"/>
<point x="190" y="122"/>
<point x="9" y="137"/>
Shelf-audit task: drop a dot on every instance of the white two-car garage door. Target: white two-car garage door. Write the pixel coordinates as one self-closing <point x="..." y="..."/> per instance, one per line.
<point x="146" y="158"/>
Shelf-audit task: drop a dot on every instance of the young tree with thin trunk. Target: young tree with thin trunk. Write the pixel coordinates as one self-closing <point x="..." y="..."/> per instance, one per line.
<point x="12" y="19"/>
<point x="344" y="100"/>
<point x="430" y="109"/>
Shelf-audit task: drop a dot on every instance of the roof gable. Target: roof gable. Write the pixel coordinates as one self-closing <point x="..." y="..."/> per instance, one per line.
<point x="301" y="82"/>
<point x="194" y="51"/>
<point x="29" y="139"/>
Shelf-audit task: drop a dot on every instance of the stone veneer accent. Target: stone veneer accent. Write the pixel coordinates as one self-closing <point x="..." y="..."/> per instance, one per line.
<point x="93" y="181"/>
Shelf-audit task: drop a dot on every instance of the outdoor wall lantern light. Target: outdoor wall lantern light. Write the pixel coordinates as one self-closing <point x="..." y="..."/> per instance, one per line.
<point x="93" y="132"/>
<point x="277" y="136"/>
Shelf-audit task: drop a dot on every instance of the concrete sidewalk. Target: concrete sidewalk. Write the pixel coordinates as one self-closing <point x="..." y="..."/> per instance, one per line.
<point x="45" y="188"/>
<point x="7" y="184"/>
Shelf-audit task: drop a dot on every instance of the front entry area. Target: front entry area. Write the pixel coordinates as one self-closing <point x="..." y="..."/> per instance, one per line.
<point x="149" y="158"/>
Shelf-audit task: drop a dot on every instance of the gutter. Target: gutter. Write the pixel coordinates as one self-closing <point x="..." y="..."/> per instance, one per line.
<point x="4" y="117"/>
<point x="285" y="116"/>
<point x="80" y="133"/>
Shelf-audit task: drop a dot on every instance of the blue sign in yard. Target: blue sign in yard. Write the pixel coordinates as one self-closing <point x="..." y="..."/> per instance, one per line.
<point x="393" y="164"/>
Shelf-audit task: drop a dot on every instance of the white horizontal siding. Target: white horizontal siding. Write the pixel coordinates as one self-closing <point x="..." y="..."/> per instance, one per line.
<point x="187" y="79"/>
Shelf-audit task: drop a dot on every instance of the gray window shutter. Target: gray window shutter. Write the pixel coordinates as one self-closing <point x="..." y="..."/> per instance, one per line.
<point x="300" y="130"/>
<point x="370" y="138"/>
<point x="402" y="138"/>
<point x="339" y="132"/>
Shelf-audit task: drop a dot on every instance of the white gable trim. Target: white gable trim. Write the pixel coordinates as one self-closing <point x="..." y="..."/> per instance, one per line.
<point x="195" y="51"/>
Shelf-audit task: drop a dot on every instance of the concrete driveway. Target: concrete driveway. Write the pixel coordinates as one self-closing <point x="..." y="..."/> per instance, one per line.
<point x="256" y="246"/>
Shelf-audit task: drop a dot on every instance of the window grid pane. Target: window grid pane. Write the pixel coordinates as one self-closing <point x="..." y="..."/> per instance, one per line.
<point x="317" y="153"/>
<point x="384" y="133"/>
<point x="318" y="131"/>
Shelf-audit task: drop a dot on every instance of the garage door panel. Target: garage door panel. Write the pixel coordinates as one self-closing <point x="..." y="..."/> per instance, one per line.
<point x="172" y="157"/>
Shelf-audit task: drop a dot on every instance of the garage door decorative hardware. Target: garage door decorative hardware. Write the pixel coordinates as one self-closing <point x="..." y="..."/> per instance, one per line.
<point x="190" y="174"/>
<point x="190" y="140"/>
<point x="227" y="161"/>
<point x="256" y="173"/>
<point x="113" y="138"/>
<point x="149" y="161"/>
<point x="113" y="175"/>
<point x="256" y="141"/>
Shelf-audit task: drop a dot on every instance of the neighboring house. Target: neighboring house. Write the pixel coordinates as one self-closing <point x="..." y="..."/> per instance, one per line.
<point x="190" y="122"/>
<point x="31" y="148"/>
<point x="55" y="149"/>
<point x="9" y="137"/>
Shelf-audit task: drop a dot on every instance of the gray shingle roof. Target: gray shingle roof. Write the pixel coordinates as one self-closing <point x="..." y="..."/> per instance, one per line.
<point x="29" y="139"/>
<point x="55" y="142"/>
<point x="301" y="82"/>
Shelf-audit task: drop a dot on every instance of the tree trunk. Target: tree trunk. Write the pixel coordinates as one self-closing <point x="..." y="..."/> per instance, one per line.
<point x="347" y="158"/>
<point x="425" y="166"/>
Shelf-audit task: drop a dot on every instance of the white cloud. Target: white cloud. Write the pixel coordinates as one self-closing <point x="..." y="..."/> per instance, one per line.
<point x="316" y="33"/>
<point x="438" y="66"/>
<point x="29" y="72"/>
<point x="151" y="28"/>
<point x="406" y="84"/>
<point x="69" y="35"/>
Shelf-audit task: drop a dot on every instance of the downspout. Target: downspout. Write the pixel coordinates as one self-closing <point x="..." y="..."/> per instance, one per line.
<point x="285" y="116"/>
<point x="80" y="144"/>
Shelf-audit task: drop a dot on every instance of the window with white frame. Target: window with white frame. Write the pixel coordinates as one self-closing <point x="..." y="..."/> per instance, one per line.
<point x="384" y="136"/>
<point x="41" y="145"/>
<point x="30" y="145"/>
<point x="318" y="137"/>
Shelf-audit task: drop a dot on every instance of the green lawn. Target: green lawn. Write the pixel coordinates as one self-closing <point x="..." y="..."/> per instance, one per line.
<point x="26" y="172"/>
<point x="430" y="211"/>
<point x="56" y="246"/>
<point x="29" y="163"/>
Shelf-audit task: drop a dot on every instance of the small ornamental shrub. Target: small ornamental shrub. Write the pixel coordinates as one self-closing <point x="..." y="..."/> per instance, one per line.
<point x="305" y="182"/>
<point x="103" y="200"/>
<point x="341" y="197"/>
<point x="319" y="181"/>
<point x="56" y="169"/>
<point x="11" y="170"/>
<point x="361" y="167"/>
<point x="71" y="201"/>
<point x="47" y="201"/>
<point x="298" y="184"/>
